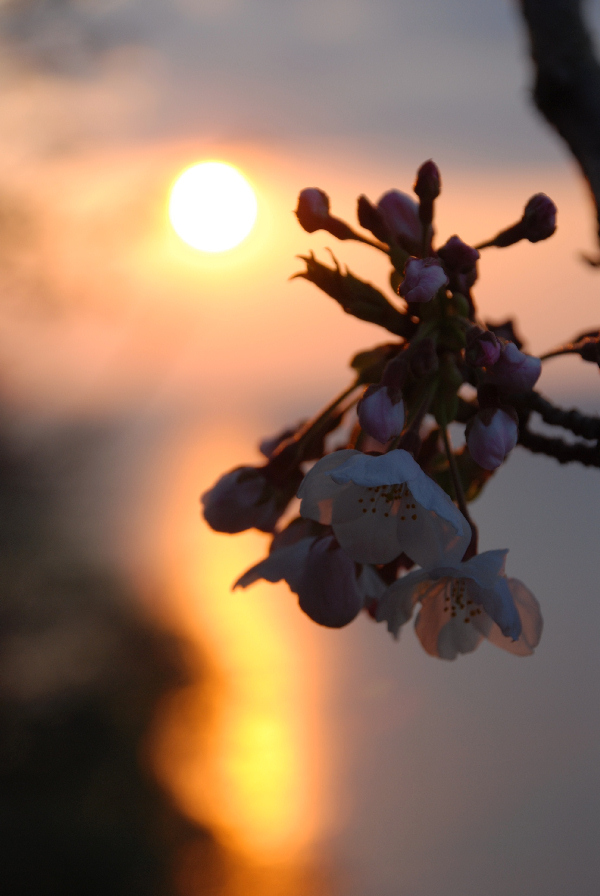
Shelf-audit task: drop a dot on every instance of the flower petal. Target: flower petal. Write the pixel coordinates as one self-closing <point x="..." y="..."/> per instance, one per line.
<point x="328" y="590"/>
<point x="440" y="633"/>
<point x="370" y="584"/>
<point x="393" y="468"/>
<point x="365" y="526"/>
<point x="500" y="607"/>
<point x="286" y="563"/>
<point x="397" y="604"/>
<point x="317" y="489"/>
<point x="531" y="621"/>
<point x="485" y="568"/>
<point x="430" y="540"/>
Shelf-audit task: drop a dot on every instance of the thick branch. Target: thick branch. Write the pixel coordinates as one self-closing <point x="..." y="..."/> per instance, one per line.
<point x="567" y="82"/>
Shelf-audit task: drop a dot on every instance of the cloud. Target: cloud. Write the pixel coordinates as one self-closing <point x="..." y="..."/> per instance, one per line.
<point x="418" y="74"/>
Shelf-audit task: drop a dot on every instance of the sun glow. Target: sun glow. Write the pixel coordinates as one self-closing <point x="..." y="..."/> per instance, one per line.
<point x="212" y="206"/>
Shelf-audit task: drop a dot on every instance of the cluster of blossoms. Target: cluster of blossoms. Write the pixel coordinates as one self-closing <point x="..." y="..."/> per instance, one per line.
<point x="394" y="496"/>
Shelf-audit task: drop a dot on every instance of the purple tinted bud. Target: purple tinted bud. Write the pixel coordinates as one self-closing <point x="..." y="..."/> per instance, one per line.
<point x="537" y="223"/>
<point x="491" y="436"/>
<point x="458" y="256"/>
<point x="515" y="370"/>
<point x="371" y="219"/>
<point x="428" y="183"/>
<point x="313" y="209"/>
<point x="379" y="416"/>
<point x="328" y="590"/>
<point x="241" y="499"/>
<point x="539" y="218"/>
<point x="483" y="348"/>
<point x="401" y="217"/>
<point x="422" y="279"/>
<point x="313" y="214"/>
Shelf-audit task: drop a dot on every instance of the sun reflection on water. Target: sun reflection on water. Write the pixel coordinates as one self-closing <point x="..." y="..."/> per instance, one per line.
<point x="255" y="774"/>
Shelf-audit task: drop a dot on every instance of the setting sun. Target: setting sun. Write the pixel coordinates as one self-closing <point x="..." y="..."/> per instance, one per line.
<point x="212" y="206"/>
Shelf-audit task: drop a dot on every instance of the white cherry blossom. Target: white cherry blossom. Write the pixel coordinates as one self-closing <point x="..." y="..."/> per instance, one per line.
<point x="463" y="603"/>
<point x="381" y="506"/>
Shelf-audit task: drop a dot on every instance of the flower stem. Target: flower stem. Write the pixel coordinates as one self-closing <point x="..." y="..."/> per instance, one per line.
<point x="375" y="243"/>
<point x="459" y="494"/>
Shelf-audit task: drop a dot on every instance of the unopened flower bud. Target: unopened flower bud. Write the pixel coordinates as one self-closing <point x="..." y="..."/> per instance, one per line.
<point x="313" y="209"/>
<point x="400" y="214"/>
<point x="422" y="279"/>
<point x="491" y="436"/>
<point x="313" y="214"/>
<point x="428" y="183"/>
<point x="539" y="218"/>
<point x="241" y="499"/>
<point x="515" y="370"/>
<point x="538" y="223"/>
<point x="394" y="376"/>
<point x="327" y="590"/>
<point x="379" y="416"/>
<point x="371" y="219"/>
<point x="458" y="257"/>
<point x="427" y="188"/>
<point x="483" y="347"/>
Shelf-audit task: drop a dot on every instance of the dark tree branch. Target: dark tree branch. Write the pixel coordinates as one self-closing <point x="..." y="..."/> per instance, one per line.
<point x="582" y="425"/>
<point x="567" y="81"/>
<point x="564" y="453"/>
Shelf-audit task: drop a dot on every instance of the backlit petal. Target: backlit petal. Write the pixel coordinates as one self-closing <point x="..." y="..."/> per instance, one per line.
<point x="317" y="488"/>
<point x="531" y="621"/>
<point x="286" y="563"/>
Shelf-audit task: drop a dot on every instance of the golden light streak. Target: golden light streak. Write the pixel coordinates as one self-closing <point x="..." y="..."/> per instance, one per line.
<point x="256" y="774"/>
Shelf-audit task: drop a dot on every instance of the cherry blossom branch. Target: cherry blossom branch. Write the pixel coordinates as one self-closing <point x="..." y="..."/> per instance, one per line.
<point x="564" y="453"/>
<point x="567" y="82"/>
<point x="459" y="494"/>
<point x="587" y="427"/>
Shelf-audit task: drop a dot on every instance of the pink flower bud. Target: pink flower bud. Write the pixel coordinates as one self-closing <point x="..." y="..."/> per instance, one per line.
<point x="400" y="214"/>
<point x="313" y="209"/>
<point x="483" y="347"/>
<point x="422" y="279"/>
<point x="428" y="183"/>
<point x="537" y="223"/>
<point x="458" y="257"/>
<point x="379" y="416"/>
<point x="491" y="436"/>
<point x="371" y="219"/>
<point x="515" y="370"/>
<point x="313" y="214"/>
<point x="539" y="218"/>
<point x="327" y="589"/>
<point x="241" y="499"/>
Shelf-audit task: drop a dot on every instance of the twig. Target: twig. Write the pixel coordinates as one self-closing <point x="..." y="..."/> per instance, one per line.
<point x="561" y="451"/>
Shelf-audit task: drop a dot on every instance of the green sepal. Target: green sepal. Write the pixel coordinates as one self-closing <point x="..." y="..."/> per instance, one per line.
<point x="356" y="297"/>
<point x="370" y="364"/>
<point x="398" y="257"/>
